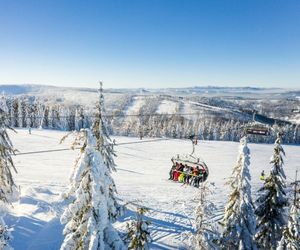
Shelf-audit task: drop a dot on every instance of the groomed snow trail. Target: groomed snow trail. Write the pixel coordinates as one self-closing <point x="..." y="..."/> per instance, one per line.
<point x="141" y="178"/>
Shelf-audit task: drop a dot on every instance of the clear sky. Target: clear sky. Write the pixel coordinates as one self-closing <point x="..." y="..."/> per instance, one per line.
<point x="150" y="43"/>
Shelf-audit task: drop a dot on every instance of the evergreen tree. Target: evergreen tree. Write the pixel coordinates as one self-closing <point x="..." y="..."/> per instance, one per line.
<point x="14" y="113"/>
<point x="87" y="218"/>
<point x="239" y="219"/>
<point x="8" y="189"/>
<point x="94" y="208"/>
<point x="28" y="115"/>
<point x="291" y="233"/>
<point x="206" y="234"/>
<point x="272" y="202"/>
<point x="20" y="113"/>
<point x="138" y="231"/>
<point x="105" y="147"/>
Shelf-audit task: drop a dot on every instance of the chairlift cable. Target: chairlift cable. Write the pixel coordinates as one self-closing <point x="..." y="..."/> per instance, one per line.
<point x="123" y="143"/>
<point x="114" y="115"/>
<point x="67" y="149"/>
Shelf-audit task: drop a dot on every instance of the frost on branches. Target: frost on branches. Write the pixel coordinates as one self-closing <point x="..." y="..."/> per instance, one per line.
<point x="87" y="218"/>
<point x="291" y="233"/>
<point x="94" y="208"/>
<point x="101" y="132"/>
<point x="271" y="202"/>
<point x="4" y="235"/>
<point x="138" y="231"/>
<point x="8" y="189"/>
<point x="206" y="234"/>
<point x="239" y="219"/>
<point x="105" y="146"/>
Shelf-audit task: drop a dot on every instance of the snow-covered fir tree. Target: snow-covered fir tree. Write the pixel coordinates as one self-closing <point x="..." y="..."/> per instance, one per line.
<point x="88" y="223"/>
<point x="291" y="233"/>
<point x="206" y="235"/>
<point x="20" y="113"/>
<point x="105" y="146"/>
<point x="138" y="231"/>
<point x="79" y="119"/>
<point x="239" y="220"/>
<point x="8" y="189"/>
<point x="271" y="202"/>
<point x="94" y="208"/>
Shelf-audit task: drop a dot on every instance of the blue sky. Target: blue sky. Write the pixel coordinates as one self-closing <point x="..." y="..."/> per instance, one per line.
<point x="150" y="43"/>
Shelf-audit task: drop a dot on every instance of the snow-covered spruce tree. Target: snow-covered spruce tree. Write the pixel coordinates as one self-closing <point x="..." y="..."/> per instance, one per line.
<point x="87" y="218"/>
<point x="105" y="146"/>
<point x="8" y="190"/>
<point x="138" y="231"/>
<point x="206" y="235"/>
<point x="291" y="233"/>
<point x="94" y="208"/>
<point x="271" y="203"/>
<point x="239" y="219"/>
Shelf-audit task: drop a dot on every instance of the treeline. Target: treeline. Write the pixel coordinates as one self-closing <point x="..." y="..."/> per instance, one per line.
<point x="30" y="112"/>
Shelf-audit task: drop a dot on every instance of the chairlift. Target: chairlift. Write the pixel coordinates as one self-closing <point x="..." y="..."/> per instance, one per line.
<point x="189" y="169"/>
<point x="257" y="131"/>
<point x="256" y="128"/>
<point x="296" y="111"/>
<point x="261" y="130"/>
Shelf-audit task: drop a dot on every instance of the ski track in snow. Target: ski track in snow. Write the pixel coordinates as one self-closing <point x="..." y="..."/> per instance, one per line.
<point x="135" y="106"/>
<point x="167" y="107"/>
<point x="142" y="178"/>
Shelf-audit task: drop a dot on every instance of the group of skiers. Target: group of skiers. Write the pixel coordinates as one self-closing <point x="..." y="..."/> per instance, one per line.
<point x="187" y="174"/>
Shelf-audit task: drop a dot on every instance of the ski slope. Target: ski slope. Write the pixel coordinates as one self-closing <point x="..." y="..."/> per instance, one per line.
<point x="141" y="178"/>
<point x="167" y="107"/>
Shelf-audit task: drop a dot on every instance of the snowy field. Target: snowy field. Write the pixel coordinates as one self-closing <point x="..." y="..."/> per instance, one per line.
<point x="141" y="178"/>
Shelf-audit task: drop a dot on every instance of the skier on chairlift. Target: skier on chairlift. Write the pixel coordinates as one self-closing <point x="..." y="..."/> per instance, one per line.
<point x="262" y="175"/>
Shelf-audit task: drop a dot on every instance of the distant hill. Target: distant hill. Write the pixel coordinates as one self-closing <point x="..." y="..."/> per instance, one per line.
<point x="29" y="89"/>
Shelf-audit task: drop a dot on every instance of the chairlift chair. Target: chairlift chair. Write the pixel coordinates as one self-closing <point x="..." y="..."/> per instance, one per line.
<point x="257" y="129"/>
<point x="192" y="161"/>
<point x="296" y="111"/>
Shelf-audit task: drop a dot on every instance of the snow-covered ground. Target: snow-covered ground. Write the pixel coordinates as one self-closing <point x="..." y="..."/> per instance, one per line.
<point x="136" y="105"/>
<point x="167" y="107"/>
<point x="141" y="178"/>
